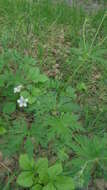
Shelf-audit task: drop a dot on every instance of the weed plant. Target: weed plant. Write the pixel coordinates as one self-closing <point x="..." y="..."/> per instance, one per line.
<point x="53" y="80"/>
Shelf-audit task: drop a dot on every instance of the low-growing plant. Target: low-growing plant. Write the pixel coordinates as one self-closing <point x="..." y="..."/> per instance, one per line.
<point x="90" y="156"/>
<point x="40" y="176"/>
<point x="46" y="109"/>
<point x="52" y="96"/>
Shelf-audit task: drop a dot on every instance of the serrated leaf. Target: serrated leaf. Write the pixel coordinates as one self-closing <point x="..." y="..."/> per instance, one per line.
<point x="71" y="92"/>
<point x="69" y="107"/>
<point x="35" y="91"/>
<point x="43" y="78"/>
<point x="32" y="99"/>
<point x="25" y="179"/>
<point x="29" y="60"/>
<point x="62" y="155"/>
<point x="55" y="170"/>
<point x="33" y="74"/>
<point x="25" y="94"/>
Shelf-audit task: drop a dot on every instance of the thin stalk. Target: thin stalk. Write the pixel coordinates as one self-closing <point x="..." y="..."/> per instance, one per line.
<point x="84" y="37"/>
<point x="91" y="46"/>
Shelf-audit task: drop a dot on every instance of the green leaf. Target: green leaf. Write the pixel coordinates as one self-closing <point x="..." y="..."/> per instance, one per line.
<point x="32" y="99"/>
<point x="9" y="107"/>
<point x="55" y="170"/>
<point x="65" y="183"/>
<point x="69" y="107"/>
<point x="26" y="163"/>
<point x="49" y="187"/>
<point x="42" y="168"/>
<point x="82" y="87"/>
<point x="42" y="163"/>
<point x="25" y="179"/>
<point x="37" y="187"/>
<point x="71" y="92"/>
<point x="25" y="94"/>
<point x="62" y="155"/>
<point x="33" y="74"/>
<point x="43" y="78"/>
<point x="29" y="60"/>
<point x="35" y="91"/>
<point x="43" y="176"/>
<point x="2" y="130"/>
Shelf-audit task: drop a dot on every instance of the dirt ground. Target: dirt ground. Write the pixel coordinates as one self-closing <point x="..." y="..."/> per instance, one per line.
<point x="91" y="5"/>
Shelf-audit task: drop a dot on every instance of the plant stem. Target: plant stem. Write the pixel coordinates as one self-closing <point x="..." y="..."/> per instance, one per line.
<point x="91" y="46"/>
<point x="84" y="37"/>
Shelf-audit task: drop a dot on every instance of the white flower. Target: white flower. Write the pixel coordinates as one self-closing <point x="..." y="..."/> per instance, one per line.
<point x="17" y="88"/>
<point x="22" y="102"/>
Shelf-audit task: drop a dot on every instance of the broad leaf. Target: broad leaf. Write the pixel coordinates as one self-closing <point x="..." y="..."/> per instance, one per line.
<point x="43" y="176"/>
<point x="49" y="187"/>
<point x="42" y="168"/>
<point x="26" y="163"/>
<point x="37" y="187"/>
<point x="65" y="183"/>
<point x="25" y="179"/>
<point x="42" y="163"/>
<point x="55" y="170"/>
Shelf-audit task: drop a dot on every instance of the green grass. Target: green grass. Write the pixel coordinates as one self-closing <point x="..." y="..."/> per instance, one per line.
<point x="55" y="33"/>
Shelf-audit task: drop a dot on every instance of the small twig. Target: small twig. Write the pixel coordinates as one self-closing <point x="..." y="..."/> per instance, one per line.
<point x="4" y="166"/>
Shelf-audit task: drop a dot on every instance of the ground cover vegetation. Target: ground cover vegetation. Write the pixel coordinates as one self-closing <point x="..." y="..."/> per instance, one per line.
<point x="53" y="96"/>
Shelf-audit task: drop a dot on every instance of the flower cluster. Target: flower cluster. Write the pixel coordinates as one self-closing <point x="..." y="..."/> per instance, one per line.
<point x="21" y="101"/>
